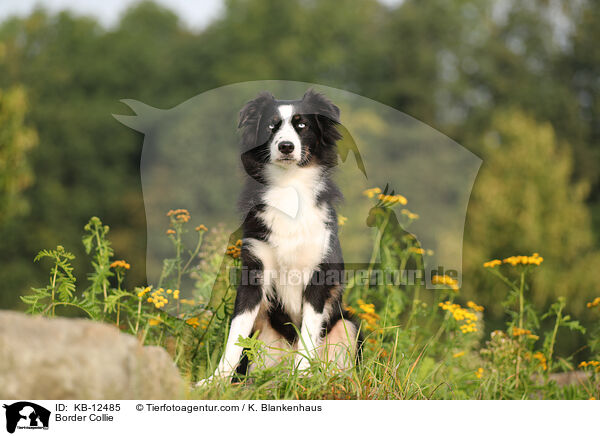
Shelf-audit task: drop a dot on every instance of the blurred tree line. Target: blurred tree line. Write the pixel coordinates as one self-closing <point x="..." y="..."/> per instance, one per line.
<point x="515" y="82"/>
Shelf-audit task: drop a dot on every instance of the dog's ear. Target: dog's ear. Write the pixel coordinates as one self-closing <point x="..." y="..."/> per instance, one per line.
<point x="251" y="112"/>
<point x="321" y="105"/>
<point x="326" y="113"/>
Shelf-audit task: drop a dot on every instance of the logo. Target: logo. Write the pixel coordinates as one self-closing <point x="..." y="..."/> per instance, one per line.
<point x="26" y="415"/>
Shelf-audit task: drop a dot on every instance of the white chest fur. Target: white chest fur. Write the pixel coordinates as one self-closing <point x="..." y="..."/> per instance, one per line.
<point x="299" y="236"/>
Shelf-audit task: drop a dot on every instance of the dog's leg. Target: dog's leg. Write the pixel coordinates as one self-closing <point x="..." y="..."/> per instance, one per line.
<point x="257" y="266"/>
<point x="310" y="333"/>
<point x="315" y="296"/>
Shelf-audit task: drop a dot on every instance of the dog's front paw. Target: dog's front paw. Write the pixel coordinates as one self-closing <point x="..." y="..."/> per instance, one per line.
<point x="204" y="382"/>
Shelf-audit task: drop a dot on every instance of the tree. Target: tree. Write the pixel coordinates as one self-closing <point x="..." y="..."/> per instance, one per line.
<point x="524" y="202"/>
<point x="16" y="139"/>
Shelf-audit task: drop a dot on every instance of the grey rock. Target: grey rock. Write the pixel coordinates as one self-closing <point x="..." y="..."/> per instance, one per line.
<point x="60" y="358"/>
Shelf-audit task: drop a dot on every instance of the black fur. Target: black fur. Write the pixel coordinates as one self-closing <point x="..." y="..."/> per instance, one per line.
<point x="321" y="118"/>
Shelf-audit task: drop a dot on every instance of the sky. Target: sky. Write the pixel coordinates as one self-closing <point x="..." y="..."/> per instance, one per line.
<point x="196" y="14"/>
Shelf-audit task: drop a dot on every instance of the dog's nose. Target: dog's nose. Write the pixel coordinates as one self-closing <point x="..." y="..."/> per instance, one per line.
<point x="286" y="147"/>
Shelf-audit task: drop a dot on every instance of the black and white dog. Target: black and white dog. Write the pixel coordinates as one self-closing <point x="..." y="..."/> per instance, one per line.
<point x="291" y="254"/>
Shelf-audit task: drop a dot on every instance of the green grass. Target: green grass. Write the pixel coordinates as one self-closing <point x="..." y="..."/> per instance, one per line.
<point x="418" y="343"/>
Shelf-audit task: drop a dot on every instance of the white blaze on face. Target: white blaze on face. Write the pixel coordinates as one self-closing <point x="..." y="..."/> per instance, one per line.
<point x="286" y="132"/>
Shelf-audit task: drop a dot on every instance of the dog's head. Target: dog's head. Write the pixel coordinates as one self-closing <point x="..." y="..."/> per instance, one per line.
<point x="290" y="132"/>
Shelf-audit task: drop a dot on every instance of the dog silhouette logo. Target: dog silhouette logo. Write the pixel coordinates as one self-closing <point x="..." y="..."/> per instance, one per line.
<point x="26" y="415"/>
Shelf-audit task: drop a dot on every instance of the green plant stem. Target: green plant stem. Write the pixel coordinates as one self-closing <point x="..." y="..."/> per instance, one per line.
<point x="63" y="303"/>
<point x="554" y="332"/>
<point x="54" y="285"/>
<point x="101" y="252"/>
<point x="139" y="313"/>
<point x="521" y="306"/>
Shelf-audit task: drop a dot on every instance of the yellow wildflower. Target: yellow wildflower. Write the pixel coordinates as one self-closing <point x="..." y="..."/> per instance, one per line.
<point x="459" y="354"/>
<point x="170" y="232"/>
<point x="540" y="356"/>
<point x="590" y="364"/>
<point x="594" y="303"/>
<point x="342" y="220"/>
<point x="154" y="321"/>
<point x="193" y="322"/>
<point x="469" y="327"/>
<point x="445" y="280"/>
<point x="474" y="306"/>
<point x="534" y="259"/>
<point x="392" y="199"/>
<point x="234" y="251"/>
<point x="144" y="291"/>
<point x="201" y="228"/>
<point x="120" y="264"/>
<point x="181" y="215"/>
<point x="169" y="291"/>
<point x="492" y="263"/>
<point x="479" y="372"/>
<point x="371" y="192"/>
<point x="368" y="308"/>
<point x="517" y="331"/>
<point x="465" y="316"/>
<point x="176" y="294"/>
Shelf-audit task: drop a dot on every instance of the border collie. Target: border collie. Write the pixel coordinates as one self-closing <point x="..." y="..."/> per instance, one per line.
<point x="291" y="255"/>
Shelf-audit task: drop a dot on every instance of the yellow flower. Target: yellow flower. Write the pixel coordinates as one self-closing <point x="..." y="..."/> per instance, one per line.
<point x="470" y="327"/>
<point x="479" y="372"/>
<point x="169" y="291"/>
<point x="369" y="315"/>
<point x="201" y="228"/>
<point x="594" y="303"/>
<point x="154" y="321"/>
<point x="466" y="317"/>
<point x="193" y="322"/>
<point x="144" y="291"/>
<point x="393" y="199"/>
<point x="492" y="263"/>
<point x="459" y="354"/>
<point x="176" y="294"/>
<point x="170" y="232"/>
<point x="474" y="306"/>
<point x="181" y="215"/>
<point x="445" y="280"/>
<point x="188" y="302"/>
<point x="516" y="331"/>
<point x="534" y="259"/>
<point x="591" y="363"/>
<point x="120" y="264"/>
<point x="368" y="308"/>
<point x="540" y="356"/>
<point x="234" y="251"/>
<point x="342" y="220"/>
<point x="371" y="192"/>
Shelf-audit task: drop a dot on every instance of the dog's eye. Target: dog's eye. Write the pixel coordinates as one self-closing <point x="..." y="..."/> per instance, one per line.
<point x="271" y="126"/>
<point x="301" y="125"/>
